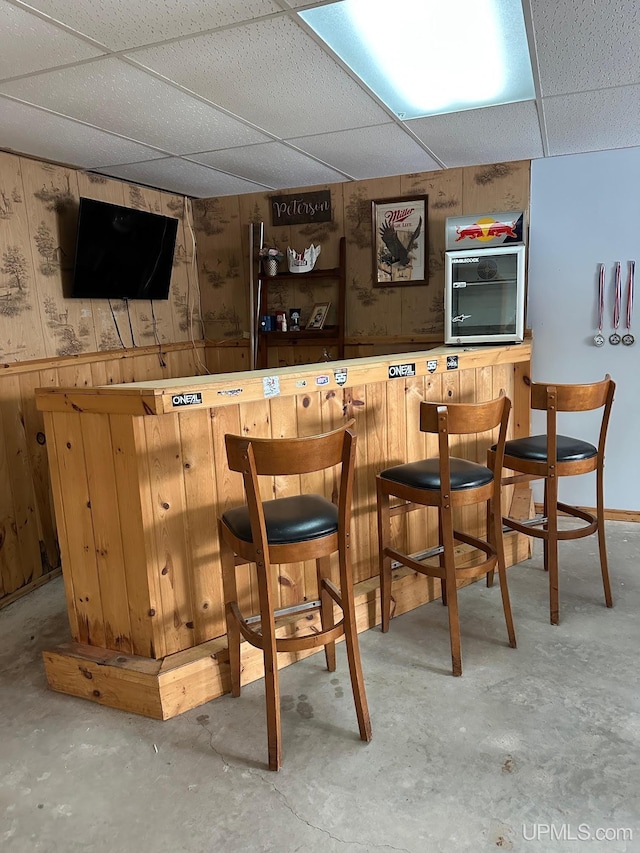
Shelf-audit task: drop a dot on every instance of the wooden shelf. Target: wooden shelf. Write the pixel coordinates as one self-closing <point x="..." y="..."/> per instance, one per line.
<point x="334" y="333"/>
<point x="329" y="332"/>
<point x="314" y="273"/>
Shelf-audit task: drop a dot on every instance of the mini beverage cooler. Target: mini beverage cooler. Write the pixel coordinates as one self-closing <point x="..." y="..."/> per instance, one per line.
<point x="485" y="295"/>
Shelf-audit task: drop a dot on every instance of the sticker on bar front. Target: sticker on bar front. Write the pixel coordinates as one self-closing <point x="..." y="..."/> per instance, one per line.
<point x="301" y="383"/>
<point x="398" y="371"/>
<point x="432" y="365"/>
<point x="231" y="392"/>
<point x="322" y="380"/>
<point x="271" y="386"/>
<point x="340" y="375"/>
<point x="452" y="362"/>
<point x="186" y="399"/>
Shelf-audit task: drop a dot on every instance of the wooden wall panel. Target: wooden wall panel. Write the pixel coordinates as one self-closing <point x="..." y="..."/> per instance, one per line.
<point x="223" y="274"/>
<point x="21" y="334"/>
<point x="29" y="548"/>
<point x="109" y="549"/>
<point x="399" y="314"/>
<point x="78" y="529"/>
<point x="19" y="481"/>
<point x="38" y="219"/>
<point x="51" y="194"/>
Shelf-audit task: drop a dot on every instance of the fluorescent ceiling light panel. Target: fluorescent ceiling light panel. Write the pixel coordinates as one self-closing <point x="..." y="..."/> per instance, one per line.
<point x="425" y="57"/>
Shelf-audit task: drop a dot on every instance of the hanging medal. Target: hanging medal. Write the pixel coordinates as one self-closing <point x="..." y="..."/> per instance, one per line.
<point x="628" y="339"/>
<point x="617" y="299"/>
<point x="599" y="338"/>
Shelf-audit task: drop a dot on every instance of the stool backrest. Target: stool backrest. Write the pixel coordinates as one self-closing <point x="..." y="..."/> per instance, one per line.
<point x="255" y="457"/>
<point x="573" y="398"/>
<point x="447" y="419"/>
<point x="464" y="418"/>
<point x="284" y="456"/>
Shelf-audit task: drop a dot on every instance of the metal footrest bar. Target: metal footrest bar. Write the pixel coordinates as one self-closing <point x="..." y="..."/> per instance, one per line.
<point x="286" y="611"/>
<point x="527" y="522"/>
<point x="420" y="555"/>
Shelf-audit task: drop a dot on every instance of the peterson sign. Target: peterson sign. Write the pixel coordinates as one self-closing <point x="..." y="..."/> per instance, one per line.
<point x="301" y="208"/>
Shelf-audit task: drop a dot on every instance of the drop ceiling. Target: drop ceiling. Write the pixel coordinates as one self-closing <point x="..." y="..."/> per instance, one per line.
<point x="226" y="97"/>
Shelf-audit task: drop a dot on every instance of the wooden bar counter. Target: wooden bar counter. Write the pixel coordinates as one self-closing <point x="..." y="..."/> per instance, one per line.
<point x="139" y="477"/>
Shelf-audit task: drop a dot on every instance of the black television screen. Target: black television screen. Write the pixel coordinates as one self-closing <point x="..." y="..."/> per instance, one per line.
<point x="122" y="253"/>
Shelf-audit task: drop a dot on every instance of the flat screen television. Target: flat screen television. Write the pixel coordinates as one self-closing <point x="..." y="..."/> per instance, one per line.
<point x="122" y="253"/>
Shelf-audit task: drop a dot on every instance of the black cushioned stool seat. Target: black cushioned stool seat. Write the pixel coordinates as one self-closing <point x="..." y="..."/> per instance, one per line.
<point x="447" y="483"/>
<point x="287" y="520"/>
<point x="534" y="447"/>
<point x="425" y="474"/>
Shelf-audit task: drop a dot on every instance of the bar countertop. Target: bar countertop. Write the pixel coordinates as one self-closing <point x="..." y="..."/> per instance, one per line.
<point x="158" y="397"/>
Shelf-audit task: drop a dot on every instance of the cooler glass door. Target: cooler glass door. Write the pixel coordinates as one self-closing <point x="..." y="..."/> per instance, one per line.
<point x="484" y="296"/>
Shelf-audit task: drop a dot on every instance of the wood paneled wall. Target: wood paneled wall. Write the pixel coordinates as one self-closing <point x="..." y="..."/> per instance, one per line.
<point x="29" y="553"/>
<point x="38" y="219"/>
<point x="75" y="342"/>
<point x="413" y="314"/>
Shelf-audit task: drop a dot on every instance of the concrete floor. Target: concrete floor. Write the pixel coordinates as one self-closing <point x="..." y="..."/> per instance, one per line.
<point x="529" y="750"/>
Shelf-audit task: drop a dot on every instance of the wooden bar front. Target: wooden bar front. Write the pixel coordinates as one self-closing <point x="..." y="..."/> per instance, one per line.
<point x="139" y="478"/>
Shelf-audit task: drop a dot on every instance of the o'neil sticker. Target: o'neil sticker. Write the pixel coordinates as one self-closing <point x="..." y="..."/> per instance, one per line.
<point x="397" y="371"/>
<point x="186" y="399"/>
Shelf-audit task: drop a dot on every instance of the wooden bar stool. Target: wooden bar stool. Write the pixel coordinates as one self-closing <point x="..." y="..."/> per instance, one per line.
<point x="447" y="482"/>
<point x="288" y="530"/>
<point x="550" y="456"/>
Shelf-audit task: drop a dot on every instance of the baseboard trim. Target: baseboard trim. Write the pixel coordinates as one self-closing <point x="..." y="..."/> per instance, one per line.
<point x="609" y="514"/>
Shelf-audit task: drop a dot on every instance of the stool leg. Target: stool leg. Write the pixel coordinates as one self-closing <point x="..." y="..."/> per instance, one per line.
<point x="497" y="540"/>
<point x="227" y="559"/>
<point x="551" y="543"/>
<point x="272" y="691"/>
<point x="351" y="640"/>
<point x="441" y="563"/>
<point x="451" y="589"/>
<point x="545" y="542"/>
<point x="323" y="570"/>
<point x="491" y="539"/>
<point x="384" y="561"/>
<point x="601" y="539"/>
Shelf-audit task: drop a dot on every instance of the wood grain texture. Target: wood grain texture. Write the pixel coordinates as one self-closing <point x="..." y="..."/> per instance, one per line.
<point x="140" y="494"/>
<point x="402" y="313"/>
<point x="29" y="546"/>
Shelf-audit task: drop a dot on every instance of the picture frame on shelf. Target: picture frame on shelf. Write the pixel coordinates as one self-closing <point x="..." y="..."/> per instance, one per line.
<point x="318" y="315"/>
<point x="400" y="241"/>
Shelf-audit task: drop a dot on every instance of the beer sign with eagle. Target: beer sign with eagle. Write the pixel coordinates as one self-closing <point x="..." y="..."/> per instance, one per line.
<point x="399" y="241"/>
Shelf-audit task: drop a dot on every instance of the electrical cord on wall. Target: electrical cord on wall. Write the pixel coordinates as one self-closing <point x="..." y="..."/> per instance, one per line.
<point x="154" y="324"/>
<point x="126" y="302"/>
<point x="196" y="288"/>
<point x="115" y="323"/>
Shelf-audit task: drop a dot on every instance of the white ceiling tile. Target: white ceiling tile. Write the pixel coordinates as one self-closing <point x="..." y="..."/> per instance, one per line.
<point x="593" y="121"/>
<point x="369" y="152"/>
<point x="258" y="62"/>
<point x="121" y="24"/>
<point x="27" y="43"/>
<point x="489" y="135"/>
<point x="113" y="95"/>
<point x="271" y="73"/>
<point x="272" y="164"/>
<point x="586" y="45"/>
<point x="183" y="177"/>
<point x="29" y="130"/>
